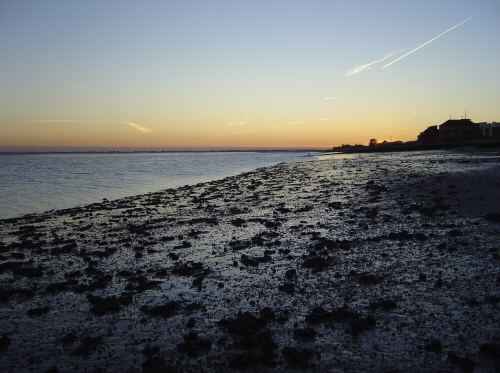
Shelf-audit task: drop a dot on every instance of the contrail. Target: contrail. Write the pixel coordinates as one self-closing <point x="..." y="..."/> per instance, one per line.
<point x="143" y="129"/>
<point x="430" y="41"/>
<point x="357" y="69"/>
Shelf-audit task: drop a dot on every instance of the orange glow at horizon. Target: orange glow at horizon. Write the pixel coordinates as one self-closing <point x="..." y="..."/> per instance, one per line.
<point x="202" y="75"/>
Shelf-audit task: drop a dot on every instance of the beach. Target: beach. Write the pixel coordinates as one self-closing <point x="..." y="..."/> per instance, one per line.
<point x="366" y="262"/>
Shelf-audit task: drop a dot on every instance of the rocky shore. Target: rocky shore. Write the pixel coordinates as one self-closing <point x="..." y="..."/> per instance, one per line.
<point x="380" y="262"/>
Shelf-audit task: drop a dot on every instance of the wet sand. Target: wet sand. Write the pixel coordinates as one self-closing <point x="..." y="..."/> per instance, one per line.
<point x="380" y="262"/>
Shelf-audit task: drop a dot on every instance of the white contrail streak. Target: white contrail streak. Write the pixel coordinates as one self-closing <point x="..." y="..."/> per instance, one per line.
<point x="142" y="129"/>
<point x="359" y="68"/>
<point x="430" y="41"/>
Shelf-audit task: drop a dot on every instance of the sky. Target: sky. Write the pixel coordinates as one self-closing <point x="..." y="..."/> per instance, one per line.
<point x="239" y="74"/>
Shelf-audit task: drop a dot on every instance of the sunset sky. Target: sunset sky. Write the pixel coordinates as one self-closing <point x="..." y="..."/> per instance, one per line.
<point x="191" y="74"/>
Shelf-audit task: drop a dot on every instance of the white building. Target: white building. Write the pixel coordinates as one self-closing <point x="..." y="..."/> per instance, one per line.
<point x="489" y="129"/>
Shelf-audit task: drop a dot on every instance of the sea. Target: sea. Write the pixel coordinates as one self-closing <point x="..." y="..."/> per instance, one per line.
<point x="34" y="183"/>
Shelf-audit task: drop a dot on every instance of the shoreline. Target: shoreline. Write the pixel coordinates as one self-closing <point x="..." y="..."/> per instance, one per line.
<point x="250" y="150"/>
<point x="69" y="210"/>
<point x="352" y="263"/>
<point x="77" y="192"/>
<point x="495" y="144"/>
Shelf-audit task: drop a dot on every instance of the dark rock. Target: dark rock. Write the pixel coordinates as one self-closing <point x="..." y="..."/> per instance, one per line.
<point x="439" y="282"/>
<point x="141" y="283"/>
<point x="108" y="305"/>
<point x="355" y="322"/>
<point x="4" y="343"/>
<point x="189" y="269"/>
<point x="193" y="345"/>
<point x="253" y="338"/>
<point x="238" y="222"/>
<point x="184" y="245"/>
<point x="63" y="286"/>
<point x="173" y="256"/>
<point x="288" y="288"/>
<point x="157" y="364"/>
<point x="421" y="237"/>
<point x="455" y="233"/>
<point x="491" y="349"/>
<point x="325" y="243"/>
<point x="464" y="363"/>
<point x="318" y="315"/>
<point x="442" y="246"/>
<point x="385" y="304"/>
<point x="316" y="262"/>
<point x="7" y="294"/>
<point x="493" y="217"/>
<point x="88" y="345"/>
<point x="139" y="229"/>
<point x="68" y="339"/>
<point x="304" y="334"/>
<point x="34" y="312"/>
<point x="369" y="279"/>
<point x="243" y="324"/>
<point x="198" y="282"/>
<point x="335" y="205"/>
<point x="100" y="281"/>
<point x="291" y="274"/>
<point x="434" y="346"/>
<point x="400" y="236"/>
<point x="25" y="269"/>
<point x="358" y="324"/>
<point x="248" y="261"/>
<point x="64" y="249"/>
<point x="267" y="314"/>
<point x="150" y="350"/>
<point x="165" y="310"/>
<point x="297" y="357"/>
<point x="238" y="245"/>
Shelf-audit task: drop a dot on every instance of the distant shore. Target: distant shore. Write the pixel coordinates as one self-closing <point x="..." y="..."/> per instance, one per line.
<point x="298" y="150"/>
<point x="357" y="263"/>
<point x="381" y="148"/>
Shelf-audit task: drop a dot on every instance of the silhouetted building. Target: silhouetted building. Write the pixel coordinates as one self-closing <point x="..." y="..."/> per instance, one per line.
<point x="429" y="136"/>
<point x="489" y="129"/>
<point x="458" y="129"/>
<point x="372" y="143"/>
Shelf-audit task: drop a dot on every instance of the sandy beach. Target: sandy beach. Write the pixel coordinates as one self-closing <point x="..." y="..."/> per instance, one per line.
<point x="367" y="262"/>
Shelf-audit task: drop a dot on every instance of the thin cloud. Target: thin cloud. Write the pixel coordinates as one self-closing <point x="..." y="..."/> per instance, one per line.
<point x="66" y="121"/>
<point x="239" y="122"/>
<point x="334" y="117"/>
<point x="359" y="68"/>
<point x="248" y="130"/>
<point x="329" y="98"/>
<point x="289" y="124"/>
<point x="75" y="85"/>
<point x="430" y="41"/>
<point x="142" y="129"/>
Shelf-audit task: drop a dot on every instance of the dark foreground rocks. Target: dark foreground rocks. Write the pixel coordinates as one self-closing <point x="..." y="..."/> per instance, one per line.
<point x="380" y="262"/>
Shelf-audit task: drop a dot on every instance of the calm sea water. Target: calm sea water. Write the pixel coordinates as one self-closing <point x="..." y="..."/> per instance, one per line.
<point x="37" y="183"/>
